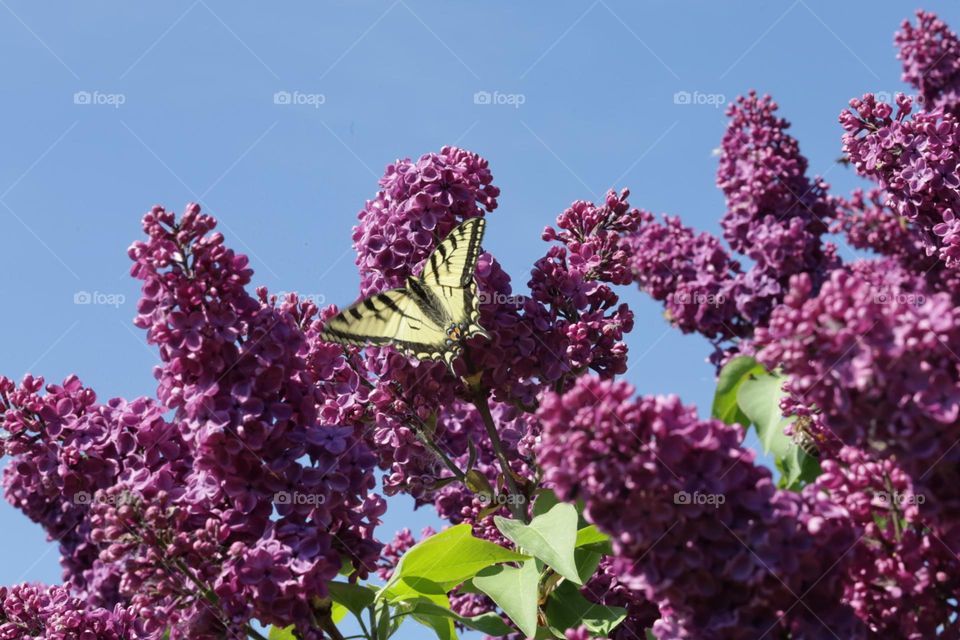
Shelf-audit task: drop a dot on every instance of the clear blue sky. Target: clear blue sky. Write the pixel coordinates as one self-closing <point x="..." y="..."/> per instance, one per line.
<point x="198" y="121"/>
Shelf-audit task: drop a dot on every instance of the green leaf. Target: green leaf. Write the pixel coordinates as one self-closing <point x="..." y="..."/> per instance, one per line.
<point x="450" y="557"/>
<point x="588" y="559"/>
<point x="649" y="634"/>
<point x="353" y="597"/>
<point x="408" y="591"/>
<point x="546" y="499"/>
<point x="567" y="608"/>
<point x="276" y="633"/>
<point x="591" y="535"/>
<point x="413" y="589"/>
<point x="734" y="374"/>
<point x="338" y="612"/>
<point x="550" y="537"/>
<point x="489" y="623"/>
<point x="514" y="591"/>
<point x="759" y="398"/>
<point x="386" y="624"/>
<point x="797" y="469"/>
<point x="441" y="625"/>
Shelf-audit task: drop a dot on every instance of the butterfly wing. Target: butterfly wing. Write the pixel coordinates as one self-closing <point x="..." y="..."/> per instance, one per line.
<point x="391" y="317"/>
<point x="420" y="318"/>
<point x="449" y="274"/>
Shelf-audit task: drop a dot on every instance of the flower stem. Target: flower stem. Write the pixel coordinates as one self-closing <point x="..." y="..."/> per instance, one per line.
<point x="517" y="504"/>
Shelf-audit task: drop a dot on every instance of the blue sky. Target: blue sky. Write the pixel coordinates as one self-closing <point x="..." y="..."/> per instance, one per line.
<point x="112" y="107"/>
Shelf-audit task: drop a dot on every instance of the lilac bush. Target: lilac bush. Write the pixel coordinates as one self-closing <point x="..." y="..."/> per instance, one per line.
<point x="246" y="491"/>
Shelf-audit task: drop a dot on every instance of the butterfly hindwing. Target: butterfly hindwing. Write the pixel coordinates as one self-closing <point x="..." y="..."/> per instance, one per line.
<point x="453" y="262"/>
<point x="432" y="314"/>
<point x="449" y="273"/>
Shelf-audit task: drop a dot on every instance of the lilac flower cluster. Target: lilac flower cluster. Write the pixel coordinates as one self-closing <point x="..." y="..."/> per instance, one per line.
<point x="868" y="223"/>
<point x="606" y="588"/>
<point x="29" y="611"/>
<point x="419" y="203"/>
<point x="914" y="159"/>
<point x="244" y="383"/>
<point x="66" y="450"/>
<point x="776" y="215"/>
<point x="572" y="280"/>
<point x="696" y="526"/>
<point x="930" y="53"/>
<point x="873" y="356"/>
<point x="570" y="321"/>
<point x="691" y="273"/>
<point x="900" y="575"/>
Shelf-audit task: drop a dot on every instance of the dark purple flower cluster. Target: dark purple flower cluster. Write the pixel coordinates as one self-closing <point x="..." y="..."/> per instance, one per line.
<point x="418" y="204"/>
<point x="868" y="223"/>
<point x="66" y="449"/>
<point x="245" y="494"/>
<point x="571" y="283"/>
<point x="914" y="158"/>
<point x="873" y="358"/>
<point x="570" y="322"/>
<point x="776" y="215"/>
<point x="930" y="53"/>
<point x="606" y="588"/>
<point x="29" y="611"/>
<point x="691" y="273"/>
<point x="900" y="577"/>
<point x="696" y="526"/>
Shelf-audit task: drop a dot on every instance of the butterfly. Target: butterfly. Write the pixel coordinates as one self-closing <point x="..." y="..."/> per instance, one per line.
<point x="432" y="315"/>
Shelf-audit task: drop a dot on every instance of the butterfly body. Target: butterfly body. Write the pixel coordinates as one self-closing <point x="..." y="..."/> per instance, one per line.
<point x="432" y="315"/>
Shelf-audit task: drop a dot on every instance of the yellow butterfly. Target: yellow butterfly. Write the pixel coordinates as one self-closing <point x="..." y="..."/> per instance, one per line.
<point x="432" y="315"/>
